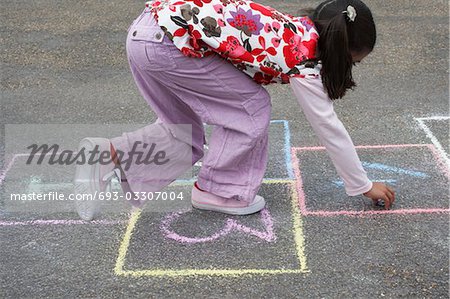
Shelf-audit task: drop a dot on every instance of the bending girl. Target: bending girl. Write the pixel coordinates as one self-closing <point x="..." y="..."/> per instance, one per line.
<point x="206" y="61"/>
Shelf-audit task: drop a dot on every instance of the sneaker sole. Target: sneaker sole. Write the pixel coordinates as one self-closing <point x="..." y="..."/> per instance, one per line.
<point x="87" y="209"/>
<point x="258" y="206"/>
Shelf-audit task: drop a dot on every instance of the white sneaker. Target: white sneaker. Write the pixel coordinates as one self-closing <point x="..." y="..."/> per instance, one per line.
<point x="207" y="201"/>
<point x="91" y="179"/>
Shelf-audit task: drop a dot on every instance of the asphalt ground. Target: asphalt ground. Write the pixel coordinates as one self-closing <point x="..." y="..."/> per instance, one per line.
<point x="65" y="63"/>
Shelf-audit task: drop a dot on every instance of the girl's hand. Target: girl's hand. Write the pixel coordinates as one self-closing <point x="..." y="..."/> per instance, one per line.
<point x="381" y="191"/>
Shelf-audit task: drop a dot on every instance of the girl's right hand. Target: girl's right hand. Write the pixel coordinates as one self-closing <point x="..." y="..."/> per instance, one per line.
<point x="381" y="191"/>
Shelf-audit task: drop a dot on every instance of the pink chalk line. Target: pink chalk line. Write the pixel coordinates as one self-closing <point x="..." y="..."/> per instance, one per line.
<point x="230" y="225"/>
<point x="301" y="195"/>
<point x="60" y="222"/>
<point x="363" y="213"/>
<point x="317" y="148"/>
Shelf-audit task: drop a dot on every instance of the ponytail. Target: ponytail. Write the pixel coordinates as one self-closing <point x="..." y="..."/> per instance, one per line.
<point x="336" y="58"/>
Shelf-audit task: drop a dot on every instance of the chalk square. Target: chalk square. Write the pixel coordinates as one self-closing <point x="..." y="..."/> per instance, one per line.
<point x="416" y="171"/>
<point x="202" y="258"/>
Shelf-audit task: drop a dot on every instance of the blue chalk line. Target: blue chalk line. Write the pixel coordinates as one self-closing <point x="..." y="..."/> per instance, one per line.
<point x="387" y="168"/>
<point x="341" y="183"/>
<point x="287" y="146"/>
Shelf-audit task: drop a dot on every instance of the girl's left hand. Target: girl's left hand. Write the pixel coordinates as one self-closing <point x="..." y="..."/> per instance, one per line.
<point x="381" y="191"/>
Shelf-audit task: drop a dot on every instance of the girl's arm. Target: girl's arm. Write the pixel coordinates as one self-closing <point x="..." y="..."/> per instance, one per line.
<point x="319" y="111"/>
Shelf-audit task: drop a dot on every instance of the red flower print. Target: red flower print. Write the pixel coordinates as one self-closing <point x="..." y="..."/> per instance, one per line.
<point x="284" y="78"/>
<point x="262" y="9"/>
<point x="189" y="52"/>
<point x="199" y="3"/>
<point x="296" y="50"/>
<point x="269" y="71"/>
<point x="235" y="49"/>
<point x="218" y="8"/>
<point x="195" y="37"/>
<point x="246" y="21"/>
<point x="275" y="41"/>
<point x="311" y="46"/>
<point x="276" y="26"/>
<point x="262" y="78"/>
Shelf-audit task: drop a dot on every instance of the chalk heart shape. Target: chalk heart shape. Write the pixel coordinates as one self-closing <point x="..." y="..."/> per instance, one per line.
<point x="230" y="226"/>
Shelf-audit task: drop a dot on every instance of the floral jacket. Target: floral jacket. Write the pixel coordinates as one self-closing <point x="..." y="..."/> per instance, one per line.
<point x="267" y="45"/>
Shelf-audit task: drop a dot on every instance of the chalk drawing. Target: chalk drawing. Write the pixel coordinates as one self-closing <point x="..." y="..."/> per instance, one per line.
<point x="340" y="184"/>
<point x="302" y="198"/>
<point x="386" y="168"/>
<point x="287" y="146"/>
<point x="231" y="225"/>
<point x="61" y="222"/>
<point x="398" y="170"/>
<point x="434" y="140"/>
<point x="298" y="236"/>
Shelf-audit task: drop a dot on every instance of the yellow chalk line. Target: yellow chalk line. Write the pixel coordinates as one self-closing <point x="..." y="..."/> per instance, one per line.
<point x="120" y="262"/>
<point x="208" y="272"/>
<point x="298" y="237"/>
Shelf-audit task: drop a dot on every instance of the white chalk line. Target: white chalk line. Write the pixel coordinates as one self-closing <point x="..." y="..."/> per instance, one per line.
<point x="433" y="138"/>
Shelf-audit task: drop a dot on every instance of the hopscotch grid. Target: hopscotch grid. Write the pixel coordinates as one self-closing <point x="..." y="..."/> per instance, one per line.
<point x="324" y="213"/>
<point x="297" y="230"/>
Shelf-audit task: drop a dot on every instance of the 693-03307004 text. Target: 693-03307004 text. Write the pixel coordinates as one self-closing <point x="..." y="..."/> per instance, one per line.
<point x="103" y="196"/>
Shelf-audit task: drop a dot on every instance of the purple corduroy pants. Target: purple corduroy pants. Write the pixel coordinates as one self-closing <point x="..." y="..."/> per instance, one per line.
<point x="193" y="91"/>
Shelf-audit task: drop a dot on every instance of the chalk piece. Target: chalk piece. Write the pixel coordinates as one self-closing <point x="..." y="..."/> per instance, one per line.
<point x="380" y="203"/>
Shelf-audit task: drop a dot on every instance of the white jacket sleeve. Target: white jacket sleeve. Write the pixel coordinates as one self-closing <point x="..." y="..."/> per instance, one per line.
<point x="319" y="111"/>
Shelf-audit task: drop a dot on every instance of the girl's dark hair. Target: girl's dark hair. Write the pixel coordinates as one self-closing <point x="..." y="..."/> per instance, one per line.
<point x="338" y="38"/>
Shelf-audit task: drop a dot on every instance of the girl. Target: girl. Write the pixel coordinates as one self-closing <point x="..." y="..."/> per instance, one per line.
<point x="198" y="61"/>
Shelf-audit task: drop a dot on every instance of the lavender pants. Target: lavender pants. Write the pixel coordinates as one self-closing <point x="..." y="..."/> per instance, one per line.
<point x="193" y="91"/>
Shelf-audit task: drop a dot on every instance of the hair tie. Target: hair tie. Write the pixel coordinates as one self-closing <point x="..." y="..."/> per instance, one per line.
<point x="350" y="12"/>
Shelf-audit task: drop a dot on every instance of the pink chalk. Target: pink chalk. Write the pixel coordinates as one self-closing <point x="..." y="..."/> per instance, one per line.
<point x="362" y="213"/>
<point x="60" y="222"/>
<point x="299" y="181"/>
<point x="230" y="226"/>
<point x="317" y="148"/>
